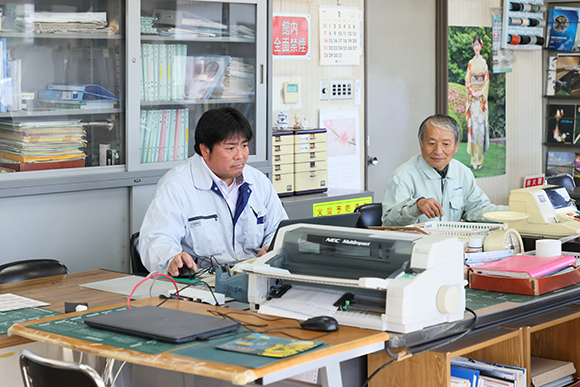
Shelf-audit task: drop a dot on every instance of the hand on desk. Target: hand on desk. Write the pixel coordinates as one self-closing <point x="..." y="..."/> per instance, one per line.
<point x="430" y="207"/>
<point x="179" y="261"/>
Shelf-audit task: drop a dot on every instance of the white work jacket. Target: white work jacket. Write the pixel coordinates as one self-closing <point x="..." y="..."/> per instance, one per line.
<point x="457" y="193"/>
<point x="188" y="213"/>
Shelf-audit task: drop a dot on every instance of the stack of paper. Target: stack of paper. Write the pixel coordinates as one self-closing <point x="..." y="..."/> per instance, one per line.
<point x="62" y="22"/>
<point x="238" y="80"/>
<point x="178" y="22"/>
<point x="41" y="141"/>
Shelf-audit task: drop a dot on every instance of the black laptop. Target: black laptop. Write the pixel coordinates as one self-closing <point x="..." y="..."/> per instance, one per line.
<point x="162" y="324"/>
<point x="343" y="220"/>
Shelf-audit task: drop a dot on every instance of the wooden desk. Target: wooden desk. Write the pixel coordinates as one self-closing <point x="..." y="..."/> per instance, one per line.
<point x="58" y="289"/>
<point x="345" y="344"/>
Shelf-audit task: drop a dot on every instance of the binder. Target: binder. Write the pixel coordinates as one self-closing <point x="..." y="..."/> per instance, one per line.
<point x="466" y="373"/>
<point x="144" y="135"/>
<point x="155" y="72"/>
<point x="168" y="156"/>
<point x="161" y="155"/>
<point x="163" y="74"/>
<point x="176" y="142"/>
<point x="76" y="92"/>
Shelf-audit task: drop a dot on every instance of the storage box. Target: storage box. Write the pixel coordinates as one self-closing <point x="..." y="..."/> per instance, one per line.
<point x="529" y="286"/>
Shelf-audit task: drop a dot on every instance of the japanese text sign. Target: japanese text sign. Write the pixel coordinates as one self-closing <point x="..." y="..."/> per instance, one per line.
<point x="291" y="36"/>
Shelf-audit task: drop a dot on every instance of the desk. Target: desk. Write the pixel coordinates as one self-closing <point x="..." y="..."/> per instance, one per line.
<point x="345" y="344"/>
<point x="58" y="289"/>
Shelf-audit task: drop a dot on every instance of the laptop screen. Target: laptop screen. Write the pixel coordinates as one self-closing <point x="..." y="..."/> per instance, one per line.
<point x="343" y="220"/>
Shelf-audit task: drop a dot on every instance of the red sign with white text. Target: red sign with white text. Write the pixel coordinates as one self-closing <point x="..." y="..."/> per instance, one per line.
<point x="532" y="181"/>
<point x="291" y="36"/>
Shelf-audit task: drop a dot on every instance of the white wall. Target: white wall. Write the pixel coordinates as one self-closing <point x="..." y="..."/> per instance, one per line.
<point x="85" y="230"/>
<point x="401" y="91"/>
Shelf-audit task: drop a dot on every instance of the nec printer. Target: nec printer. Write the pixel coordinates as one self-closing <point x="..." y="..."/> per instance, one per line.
<point x="395" y="281"/>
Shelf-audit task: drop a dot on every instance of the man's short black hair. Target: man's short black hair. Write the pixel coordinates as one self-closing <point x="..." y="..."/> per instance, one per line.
<point x="218" y="125"/>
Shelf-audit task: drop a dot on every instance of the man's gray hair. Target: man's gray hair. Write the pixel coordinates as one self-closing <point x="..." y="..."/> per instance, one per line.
<point x="440" y="121"/>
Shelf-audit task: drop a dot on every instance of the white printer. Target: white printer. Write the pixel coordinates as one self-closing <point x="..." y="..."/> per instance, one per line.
<point x="391" y="281"/>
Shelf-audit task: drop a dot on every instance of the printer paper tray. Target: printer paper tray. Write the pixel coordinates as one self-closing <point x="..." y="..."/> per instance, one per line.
<point x="363" y="282"/>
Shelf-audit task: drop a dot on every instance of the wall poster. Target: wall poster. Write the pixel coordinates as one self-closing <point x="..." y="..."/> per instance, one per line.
<point x="476" y="99"/>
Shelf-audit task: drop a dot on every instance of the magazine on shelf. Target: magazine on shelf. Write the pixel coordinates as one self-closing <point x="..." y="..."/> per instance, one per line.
<point x="202" y="75"/>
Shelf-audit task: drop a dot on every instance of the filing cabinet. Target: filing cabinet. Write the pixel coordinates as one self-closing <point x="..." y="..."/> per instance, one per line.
<point x="283" y="162"/>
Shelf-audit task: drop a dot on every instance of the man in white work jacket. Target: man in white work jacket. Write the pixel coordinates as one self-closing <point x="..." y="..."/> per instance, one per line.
<point x="213" y="208"/>
<point x="432" y="185"/>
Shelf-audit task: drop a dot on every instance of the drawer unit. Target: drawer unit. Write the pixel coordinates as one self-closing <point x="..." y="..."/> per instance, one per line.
<point x="310" y="173"/>
<point x="283" y="162"/>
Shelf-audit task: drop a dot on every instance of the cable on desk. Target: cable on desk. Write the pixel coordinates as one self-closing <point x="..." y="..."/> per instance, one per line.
<point x="145" y="279"/>
<point x="423" y="348"/>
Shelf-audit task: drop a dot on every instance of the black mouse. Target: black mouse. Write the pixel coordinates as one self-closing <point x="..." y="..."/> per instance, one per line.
<point x="320" y="323"/>
<point x="186" y="272"/>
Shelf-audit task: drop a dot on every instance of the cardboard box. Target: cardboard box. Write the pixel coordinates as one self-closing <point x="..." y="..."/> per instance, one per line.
<point x="529" y="286"/>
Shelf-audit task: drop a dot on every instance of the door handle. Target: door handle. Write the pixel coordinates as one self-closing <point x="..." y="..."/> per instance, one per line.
<point x="372" y="160"/>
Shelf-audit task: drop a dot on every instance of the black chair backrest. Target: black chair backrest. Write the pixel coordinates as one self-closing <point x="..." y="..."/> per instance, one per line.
<point x="563" y="179"/>
<point x="137" y="266"/>
<point x="370" y="215"/>
<point x="31" y="269"/>
<point x="38" y="371"/>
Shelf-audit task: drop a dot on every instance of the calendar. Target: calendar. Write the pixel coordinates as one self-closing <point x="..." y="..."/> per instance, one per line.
<point x="340" y="35"/>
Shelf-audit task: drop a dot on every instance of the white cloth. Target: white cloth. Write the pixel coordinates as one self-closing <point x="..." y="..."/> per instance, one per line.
<point x="185" y="215"/>
<point x="460" y="197"/>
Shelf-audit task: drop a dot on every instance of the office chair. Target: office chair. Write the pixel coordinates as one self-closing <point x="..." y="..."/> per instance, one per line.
<point x="38" y="371"/>
<point x="137" y="266"/>
<point x="564" y="180"/>
<point x="31" y="269"/>
<point x="370" y="215"/>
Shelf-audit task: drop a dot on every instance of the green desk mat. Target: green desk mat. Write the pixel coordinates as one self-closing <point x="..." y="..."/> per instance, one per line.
<point x="205" y="350"/>
<point x="477" y="299"/>
<point x="7" y="319"/>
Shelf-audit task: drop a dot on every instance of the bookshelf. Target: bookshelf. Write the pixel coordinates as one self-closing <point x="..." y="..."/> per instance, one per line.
<point x="112" y="59"/>
<point x="561" y="119"/>
<point x="552" y="335"/>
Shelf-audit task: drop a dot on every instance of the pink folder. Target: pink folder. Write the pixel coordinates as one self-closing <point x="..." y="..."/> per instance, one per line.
<point x="525" y="266"/>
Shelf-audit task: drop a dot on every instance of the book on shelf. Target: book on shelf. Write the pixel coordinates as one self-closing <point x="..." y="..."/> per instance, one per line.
<point x="163" y="135"/>
<point x="459" y="382"/>
<point x="163" y="71"/>
<point x="525" y="266"/>
<point x="551" y="76"/>
<point x="561" y="123"/>
<point x="560" y="162"/>
<point x="490" y="381"/>
<point x="203" y="74"/>
<point x="562" y="28"/>
<point x="505" y="373"/>
<point x="567" y="75"/>
<point x="469" y="374"/>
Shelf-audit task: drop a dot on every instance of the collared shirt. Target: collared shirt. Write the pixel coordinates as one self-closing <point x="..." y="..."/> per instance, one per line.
<point x="459" y="196"/>
<point x="230" y="193"/>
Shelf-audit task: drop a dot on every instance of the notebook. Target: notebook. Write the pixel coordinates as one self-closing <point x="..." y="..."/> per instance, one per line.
<point x="343" y="220"/>
<point x="168" y="325"/>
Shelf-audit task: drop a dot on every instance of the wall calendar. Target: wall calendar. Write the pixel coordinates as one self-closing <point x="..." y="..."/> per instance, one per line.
<point x="340" y="35"/>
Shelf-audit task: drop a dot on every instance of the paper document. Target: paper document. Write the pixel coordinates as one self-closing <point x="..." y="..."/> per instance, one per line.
<point x="9" y="301"/>
<point x="302" y="302"/>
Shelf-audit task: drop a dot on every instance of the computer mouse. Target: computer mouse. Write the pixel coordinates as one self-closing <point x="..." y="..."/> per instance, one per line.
<point x="186" y="272"/>
<point x="320" y="323"/>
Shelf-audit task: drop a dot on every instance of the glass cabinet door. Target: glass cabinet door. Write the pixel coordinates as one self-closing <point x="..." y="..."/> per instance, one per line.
<point x="195" y="56"/>
<point x="62" y="86"/>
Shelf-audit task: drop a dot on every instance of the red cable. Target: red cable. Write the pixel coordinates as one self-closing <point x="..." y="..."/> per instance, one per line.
<point x="149" y="277"/>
